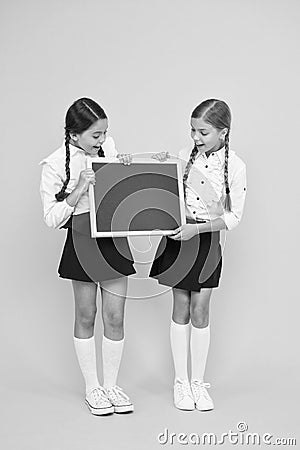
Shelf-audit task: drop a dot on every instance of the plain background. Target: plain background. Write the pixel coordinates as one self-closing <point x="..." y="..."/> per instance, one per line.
<point x="149" y="63"/>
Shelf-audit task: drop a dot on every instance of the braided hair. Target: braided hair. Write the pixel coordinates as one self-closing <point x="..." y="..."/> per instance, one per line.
<point x="80" y="117"/>
<point x="227" y="190"/>
<point x="188" y="167"/>
<point x="217" y="113"/>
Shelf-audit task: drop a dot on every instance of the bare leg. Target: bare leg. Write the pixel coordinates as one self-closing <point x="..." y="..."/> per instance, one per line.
<point x="181" y="306"/>
<point x="200" y="308"/>
<point x="85" y="295"/>
<point x="113" y="306"/>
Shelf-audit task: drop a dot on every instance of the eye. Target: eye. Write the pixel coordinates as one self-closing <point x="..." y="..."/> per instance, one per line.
<point x="204" y="134"/>
<point x="193" y="130"/>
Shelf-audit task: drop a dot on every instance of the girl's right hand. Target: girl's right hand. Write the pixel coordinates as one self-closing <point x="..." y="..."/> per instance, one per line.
<point x="86" y="177"/>
<point x="162" y="156"/>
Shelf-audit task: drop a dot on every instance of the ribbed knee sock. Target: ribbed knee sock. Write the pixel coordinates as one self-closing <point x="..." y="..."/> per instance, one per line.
<point x="111" y="356"/>
<point x="179" y="335"/>
<point x="200" y="338"/>
<point x="86" y="354"/>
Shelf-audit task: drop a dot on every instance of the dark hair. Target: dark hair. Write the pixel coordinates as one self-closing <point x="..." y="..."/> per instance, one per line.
<point x="217" y="113"/>
<point x="80" y="116"/>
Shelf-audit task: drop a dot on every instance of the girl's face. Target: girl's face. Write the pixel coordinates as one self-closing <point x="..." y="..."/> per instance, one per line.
<point x="206" y="137"/>
<point x="92" y="138"/>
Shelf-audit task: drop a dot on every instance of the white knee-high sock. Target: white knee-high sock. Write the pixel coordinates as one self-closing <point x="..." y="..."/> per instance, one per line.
<point x="179" y="335"/>
<point x="200" y="338"/>
<point x="86" y="354"/>
<point x="111" y="357"/>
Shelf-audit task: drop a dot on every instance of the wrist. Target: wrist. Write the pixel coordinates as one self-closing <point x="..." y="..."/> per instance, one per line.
<point x="79" y="190"/>
<point x="196" y="230"/>
<point x="201" y="227"/>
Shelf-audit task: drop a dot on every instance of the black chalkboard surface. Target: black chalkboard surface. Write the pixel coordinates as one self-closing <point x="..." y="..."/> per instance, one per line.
<point x="143" y="198"/>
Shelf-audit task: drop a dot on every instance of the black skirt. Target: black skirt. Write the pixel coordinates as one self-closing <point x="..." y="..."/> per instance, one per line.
<point x="93" y="259"/>
<point x="190" y="265"/>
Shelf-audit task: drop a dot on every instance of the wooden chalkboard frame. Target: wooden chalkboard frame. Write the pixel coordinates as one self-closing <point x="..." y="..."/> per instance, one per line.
<point x="95" y="232"/>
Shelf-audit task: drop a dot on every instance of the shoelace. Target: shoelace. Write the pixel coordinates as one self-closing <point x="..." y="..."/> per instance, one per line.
<point x="117" y="394"/>
<point x="99" y="395"/>
<point x="199" y="388"/>
<point x="183" y="388"/>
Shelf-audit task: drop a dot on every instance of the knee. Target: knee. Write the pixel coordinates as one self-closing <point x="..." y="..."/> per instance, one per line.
<point x="199" y="316"/>
<point x="86" y="317"/>
<point x="113" y="319"/>
<point x="181" y="313"/>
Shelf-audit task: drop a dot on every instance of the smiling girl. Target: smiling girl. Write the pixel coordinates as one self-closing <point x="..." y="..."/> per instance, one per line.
<point x="190" y="261"/>
<point x="89" y="262"/>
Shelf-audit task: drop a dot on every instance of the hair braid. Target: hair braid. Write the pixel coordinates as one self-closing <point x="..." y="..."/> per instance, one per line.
<point x="188" y="167"/>
<point x="62" y="195"/>
<point x="227" y="190"/>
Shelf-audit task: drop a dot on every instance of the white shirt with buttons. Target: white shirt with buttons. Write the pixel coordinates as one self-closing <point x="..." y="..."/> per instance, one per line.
<point x="53" y="176"/>
<point x="205" y="186"/>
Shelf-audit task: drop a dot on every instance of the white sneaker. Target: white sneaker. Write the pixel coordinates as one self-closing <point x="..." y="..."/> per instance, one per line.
<point x="202" y="399"/>
<point x="119" y="399"/>
<point x="183" y="397"/>
<point x="98" y="403"/>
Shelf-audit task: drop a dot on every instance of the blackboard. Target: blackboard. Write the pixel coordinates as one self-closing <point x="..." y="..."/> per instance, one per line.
<point x="144" y="198"/>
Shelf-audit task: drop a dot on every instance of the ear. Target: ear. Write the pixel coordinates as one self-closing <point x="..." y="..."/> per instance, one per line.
<point x="223" y="133"/>
<point x="74" y="136"/>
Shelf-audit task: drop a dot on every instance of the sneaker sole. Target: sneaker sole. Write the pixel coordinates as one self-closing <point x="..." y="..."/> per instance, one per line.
<point x="124" y="409"/>
<point x="100" y="411"/>
<point x="205" y="409"/>
<point x="184" y="409"/>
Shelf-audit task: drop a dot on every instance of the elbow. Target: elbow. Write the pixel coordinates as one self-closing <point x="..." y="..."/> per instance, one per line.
<point x="231" y="222"/>
<point x="50" y="221"/>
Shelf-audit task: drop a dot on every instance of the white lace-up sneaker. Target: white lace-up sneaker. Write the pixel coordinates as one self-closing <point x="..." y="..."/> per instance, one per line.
<point x="183" y="397"/>
<point x="202" y="399"/>
<point x="119" y="399"/>
<point x="98" y="403"/>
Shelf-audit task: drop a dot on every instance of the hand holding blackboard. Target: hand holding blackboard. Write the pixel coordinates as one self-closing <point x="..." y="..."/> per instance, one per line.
<point x="125" y="158"/>
<point x="162" y="156"/>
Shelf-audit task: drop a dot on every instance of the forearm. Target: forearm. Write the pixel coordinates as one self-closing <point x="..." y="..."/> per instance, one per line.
<point x="213" y="225"/>
<point x="74" y="196"/>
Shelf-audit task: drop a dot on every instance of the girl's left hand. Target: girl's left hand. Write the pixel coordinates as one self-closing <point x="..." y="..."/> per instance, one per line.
<point x="185" y="232"/>
<point x="125" y="158"/>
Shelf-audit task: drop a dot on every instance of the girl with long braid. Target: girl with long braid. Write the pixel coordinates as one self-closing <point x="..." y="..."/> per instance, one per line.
<point x="190" y="261"/>
<point x="86" y="261"/>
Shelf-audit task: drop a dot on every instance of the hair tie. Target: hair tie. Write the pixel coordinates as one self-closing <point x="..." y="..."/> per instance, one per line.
<point x="227" y="191"/>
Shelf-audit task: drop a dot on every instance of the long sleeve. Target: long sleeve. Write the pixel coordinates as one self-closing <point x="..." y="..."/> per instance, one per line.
<point x="237" y="195"/>
<point x="55" y="213"/>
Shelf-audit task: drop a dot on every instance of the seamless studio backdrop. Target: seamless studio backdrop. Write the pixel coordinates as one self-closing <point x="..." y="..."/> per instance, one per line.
<point x="149" y="64"/>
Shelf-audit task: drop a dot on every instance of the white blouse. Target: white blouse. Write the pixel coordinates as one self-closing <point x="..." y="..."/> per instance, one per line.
<point x="205" y="191"/>
<point x="53" y="176"/>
